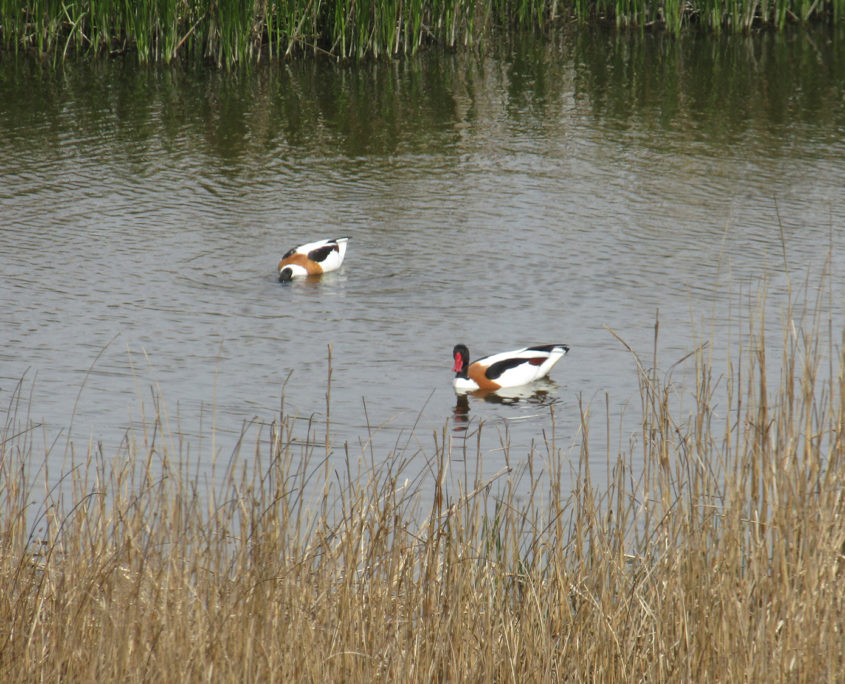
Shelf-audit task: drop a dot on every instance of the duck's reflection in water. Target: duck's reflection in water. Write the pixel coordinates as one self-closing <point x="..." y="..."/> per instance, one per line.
<point x="540" y="393"/>
<point x="461" y="413"/>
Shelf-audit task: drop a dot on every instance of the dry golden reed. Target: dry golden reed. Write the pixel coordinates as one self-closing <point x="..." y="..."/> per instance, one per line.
<point x="719" y="558"/>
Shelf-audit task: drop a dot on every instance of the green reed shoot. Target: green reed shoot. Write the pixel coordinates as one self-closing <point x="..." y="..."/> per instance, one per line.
<point x="229" y="32"/>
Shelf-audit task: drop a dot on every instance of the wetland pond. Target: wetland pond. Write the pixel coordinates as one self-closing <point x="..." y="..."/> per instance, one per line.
<point x="544" y="192"/>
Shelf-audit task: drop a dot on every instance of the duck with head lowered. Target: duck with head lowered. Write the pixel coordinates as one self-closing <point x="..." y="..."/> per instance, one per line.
<point x="312" y="259"/>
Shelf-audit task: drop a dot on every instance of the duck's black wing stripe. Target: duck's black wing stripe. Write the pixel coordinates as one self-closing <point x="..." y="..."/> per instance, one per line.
<point x="548" y="347"/>
<point x="496" y="369"/>
<point x="321" y="253"/>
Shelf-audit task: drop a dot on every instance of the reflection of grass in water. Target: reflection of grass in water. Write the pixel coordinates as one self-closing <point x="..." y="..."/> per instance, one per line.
<point x="228" y="32"/>
<point x="720" y="559"/>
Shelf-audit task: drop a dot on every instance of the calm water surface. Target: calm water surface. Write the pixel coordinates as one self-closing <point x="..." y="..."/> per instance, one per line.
<point x="543" y="193"/>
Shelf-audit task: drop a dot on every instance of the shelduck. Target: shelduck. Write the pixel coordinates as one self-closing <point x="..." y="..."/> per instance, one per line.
<point x="313" y="258"/>
<point x="506" y="369"/>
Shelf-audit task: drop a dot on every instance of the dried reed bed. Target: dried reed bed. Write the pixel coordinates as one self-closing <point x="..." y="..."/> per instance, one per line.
<point x="720" y="559"/>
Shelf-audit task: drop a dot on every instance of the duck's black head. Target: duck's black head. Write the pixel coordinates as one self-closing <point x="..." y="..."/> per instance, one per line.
<point x="285" y="274"/>
<point x="461" y="355"/>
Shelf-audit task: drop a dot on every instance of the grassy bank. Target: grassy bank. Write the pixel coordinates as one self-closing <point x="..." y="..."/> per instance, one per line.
<point x="719" y="558"/>
<point x="227" y="32"/>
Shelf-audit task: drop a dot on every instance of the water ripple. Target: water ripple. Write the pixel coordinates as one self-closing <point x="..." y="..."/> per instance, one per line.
<point x="140" y="253"/>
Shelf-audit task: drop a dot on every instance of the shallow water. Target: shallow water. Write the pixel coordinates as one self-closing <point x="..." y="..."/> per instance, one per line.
<point x="548" y="192"/>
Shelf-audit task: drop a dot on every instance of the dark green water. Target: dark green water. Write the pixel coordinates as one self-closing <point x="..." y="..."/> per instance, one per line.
<point x="545" y="192"/>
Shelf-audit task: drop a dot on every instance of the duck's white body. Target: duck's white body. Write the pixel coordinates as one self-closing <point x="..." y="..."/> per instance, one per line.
<point x="506" y="369"/>
<point x="313" y="258"/>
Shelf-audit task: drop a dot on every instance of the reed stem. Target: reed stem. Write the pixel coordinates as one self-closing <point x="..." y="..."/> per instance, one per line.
<point x="230" y="32"/>
<point x="714" y="551"/>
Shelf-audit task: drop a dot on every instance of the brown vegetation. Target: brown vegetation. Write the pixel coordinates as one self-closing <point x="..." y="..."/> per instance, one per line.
<point x="719" y="558"/>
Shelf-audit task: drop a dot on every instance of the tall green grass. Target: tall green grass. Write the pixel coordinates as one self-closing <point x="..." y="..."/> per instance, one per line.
<point x="714" y="551"/>
<point x="229" y="32"/>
